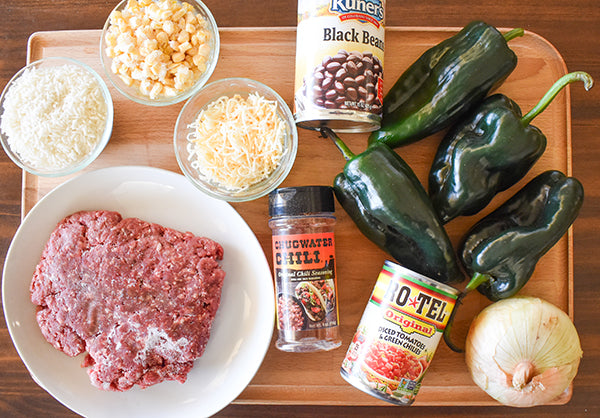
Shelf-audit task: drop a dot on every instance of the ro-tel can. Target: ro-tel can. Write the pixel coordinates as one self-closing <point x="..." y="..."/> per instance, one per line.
<point x="339" y="64"/>
<point x="398" y="334"/>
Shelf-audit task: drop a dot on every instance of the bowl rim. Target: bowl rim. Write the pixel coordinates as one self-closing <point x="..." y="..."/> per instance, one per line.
<point x="214" y="29"/>
<point x="291" y="154"/>
<point x="104" y="138"/>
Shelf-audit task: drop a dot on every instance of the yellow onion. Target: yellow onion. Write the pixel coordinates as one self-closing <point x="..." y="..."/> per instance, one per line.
<point x="523" y="351"/>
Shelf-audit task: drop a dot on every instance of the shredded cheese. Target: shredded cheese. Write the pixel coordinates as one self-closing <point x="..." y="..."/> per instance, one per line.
<point x="237" y="142"/>
<point x="54" y="116"/>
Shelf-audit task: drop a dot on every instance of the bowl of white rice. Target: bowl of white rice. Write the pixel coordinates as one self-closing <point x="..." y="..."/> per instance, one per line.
<point x="56" y="117"/>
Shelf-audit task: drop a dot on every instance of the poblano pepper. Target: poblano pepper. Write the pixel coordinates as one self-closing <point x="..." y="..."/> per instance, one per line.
<point x="502" y="249"/>
<point x="385" y="199"/>
<point x="444" y="83"/>
<point x="488" y="151"/>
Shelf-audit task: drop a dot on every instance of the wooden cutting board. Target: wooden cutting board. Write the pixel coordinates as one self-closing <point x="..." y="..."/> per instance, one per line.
<point x="142" y="135"/>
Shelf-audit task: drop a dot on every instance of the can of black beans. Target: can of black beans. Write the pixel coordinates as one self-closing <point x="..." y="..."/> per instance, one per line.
<point x="339" y="64"/>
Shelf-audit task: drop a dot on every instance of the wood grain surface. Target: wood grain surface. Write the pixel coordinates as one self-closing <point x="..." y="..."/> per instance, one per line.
<point x="572" y="28"/>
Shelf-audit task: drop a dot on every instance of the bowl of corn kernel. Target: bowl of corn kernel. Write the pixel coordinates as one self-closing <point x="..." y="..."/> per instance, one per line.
<point x="159" y="52"/>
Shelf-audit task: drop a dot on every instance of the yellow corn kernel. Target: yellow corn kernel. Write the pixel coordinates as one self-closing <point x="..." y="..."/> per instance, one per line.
<point x="123" y="26"/>
<point x="168" y="80"/>
<point x="199" y="61"/>
<point x="201" y="37"/>
<point x="190" y="28"/>
<point x="192" y="51"/>
<point x="148" y="46"/>
<point x="204" y="50"/>
<point x="178" y="14"/>
<point x="185" y="46"/>
<point x="132" y="5"/>
<point x="169" y="27"/>
<point x="152" y="11"/>
<point x="178" y="57"/>
<point x="114" y="66"/>
<point x="138" y="74"/>
<point x="155" y="90"/>
<point x="154" y="57"/>
<point x="170" y="91"/>
<point x="162" y="38"/>
<point x="183" y="37"/>
<point x="165" y="14"/>
<point x="115" y="17"/>
<point x="161" y="71"/>
<point x="145" y="21"/>
<point x="201" y="21"/>
<point x="146" y="86"/>
<point x="190" y="17"/>
<point x="110" y="39"/>
<point x="110" y="52"/>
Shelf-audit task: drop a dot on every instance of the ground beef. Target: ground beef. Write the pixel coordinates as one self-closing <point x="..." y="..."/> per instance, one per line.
<point x="289" y="313"/>
<point x="138" y="297"/>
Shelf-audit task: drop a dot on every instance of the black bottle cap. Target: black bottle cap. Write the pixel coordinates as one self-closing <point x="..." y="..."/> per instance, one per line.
<point x="303" y="200"/>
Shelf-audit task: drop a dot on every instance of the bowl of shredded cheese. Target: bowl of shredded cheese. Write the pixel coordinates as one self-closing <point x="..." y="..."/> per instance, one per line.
<point x="236" y="139"/>
<point x="159" y="52"/>
<point x="56" y="117"/>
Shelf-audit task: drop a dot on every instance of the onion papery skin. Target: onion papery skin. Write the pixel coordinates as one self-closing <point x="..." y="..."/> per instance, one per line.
<point x="523" y="351"/>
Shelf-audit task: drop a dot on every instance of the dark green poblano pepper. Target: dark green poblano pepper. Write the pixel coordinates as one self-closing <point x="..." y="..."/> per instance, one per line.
<point x="387" y="202"/>
<point x="444" y="83"/>
<point x="502" y="249"/>
<point x="488" y="151"/>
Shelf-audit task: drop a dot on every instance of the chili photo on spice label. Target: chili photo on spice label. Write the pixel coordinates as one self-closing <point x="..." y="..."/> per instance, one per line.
<point x="398" y="334"/>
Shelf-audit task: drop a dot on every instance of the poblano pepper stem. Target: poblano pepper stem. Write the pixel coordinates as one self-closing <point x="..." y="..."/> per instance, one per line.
<point x="554" y="90"/>
<point x="512" y="34"/>
<point x="476" y="280"/>
<point x="346" y="152"/>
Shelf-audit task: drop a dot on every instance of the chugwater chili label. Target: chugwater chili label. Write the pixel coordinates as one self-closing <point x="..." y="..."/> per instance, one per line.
<point x="398" y="334"/>
<point x="304" y="267"/>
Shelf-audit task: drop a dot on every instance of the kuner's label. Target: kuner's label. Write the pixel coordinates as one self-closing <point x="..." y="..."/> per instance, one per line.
<point x="304" y="267"/>
<point x="398" y="334"/>
<point x="339" y="64"/>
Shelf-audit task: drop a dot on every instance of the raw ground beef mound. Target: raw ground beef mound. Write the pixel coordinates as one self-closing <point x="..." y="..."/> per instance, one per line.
<point x="138" y="297"/>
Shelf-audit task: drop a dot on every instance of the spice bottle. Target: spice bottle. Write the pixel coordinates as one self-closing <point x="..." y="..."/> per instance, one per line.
<point x="302" y="221"/>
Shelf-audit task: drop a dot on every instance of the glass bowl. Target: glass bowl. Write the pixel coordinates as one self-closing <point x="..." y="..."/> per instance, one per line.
<point x="140" y="52"/>
<point x="33" y="108"/>
<point x="230" y="87"/>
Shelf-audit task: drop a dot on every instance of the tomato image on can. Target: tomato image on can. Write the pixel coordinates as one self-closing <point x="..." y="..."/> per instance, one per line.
<point x="398" y="334"/>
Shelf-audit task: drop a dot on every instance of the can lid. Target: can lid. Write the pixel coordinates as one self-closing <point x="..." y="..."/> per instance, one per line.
<point x="302" y="200"/>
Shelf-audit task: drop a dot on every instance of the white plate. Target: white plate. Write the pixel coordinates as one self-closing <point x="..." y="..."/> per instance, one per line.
<point x="243" y="326"/>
